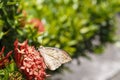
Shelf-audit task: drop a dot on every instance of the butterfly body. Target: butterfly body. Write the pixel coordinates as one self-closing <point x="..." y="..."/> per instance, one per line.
<point x="54" y="57"/>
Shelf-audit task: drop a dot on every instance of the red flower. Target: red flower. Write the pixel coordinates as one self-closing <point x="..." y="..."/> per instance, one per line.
<point x="37" y="24"/>
<point x="4" y="60"/>
<point x="29" y="61"/>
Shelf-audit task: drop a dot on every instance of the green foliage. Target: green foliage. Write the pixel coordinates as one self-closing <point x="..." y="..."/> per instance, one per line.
<point x="73" y="25"/>
<point x="8" y="14"/>
<point x="10" y="73"/>
<point x="10" y="30"/>
<point x="10" y="25"/>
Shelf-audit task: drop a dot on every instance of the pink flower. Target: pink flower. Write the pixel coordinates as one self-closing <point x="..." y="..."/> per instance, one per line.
<point x="37" y="24"/>
<point x="4" y="60"/>
<point x="29" y="61"/>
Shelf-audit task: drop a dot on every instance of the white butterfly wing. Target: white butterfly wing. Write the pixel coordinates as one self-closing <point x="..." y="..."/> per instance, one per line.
<point x="54" y="57"/>
<point x="50" y="62"/>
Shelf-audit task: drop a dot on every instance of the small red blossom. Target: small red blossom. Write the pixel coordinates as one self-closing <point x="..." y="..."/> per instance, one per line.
<point x="37" y="24"/>
<point x="29" y="61"/>
<point x="4" y="60"/>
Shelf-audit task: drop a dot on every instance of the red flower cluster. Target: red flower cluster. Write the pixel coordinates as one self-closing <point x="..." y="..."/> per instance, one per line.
<point x="29" y="61"/>
<point x="4" y="60"/>
<point x="37" y="24"/>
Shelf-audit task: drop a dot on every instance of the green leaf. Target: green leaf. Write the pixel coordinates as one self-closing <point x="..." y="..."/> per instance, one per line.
<point x="2" y="72"/>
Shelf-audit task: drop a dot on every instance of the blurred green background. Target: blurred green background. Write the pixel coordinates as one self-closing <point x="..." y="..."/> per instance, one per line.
<point x="76" y="26"/>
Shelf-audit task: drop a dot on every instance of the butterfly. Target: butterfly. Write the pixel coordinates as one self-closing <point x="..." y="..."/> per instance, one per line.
<point x="54" y="57"/>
